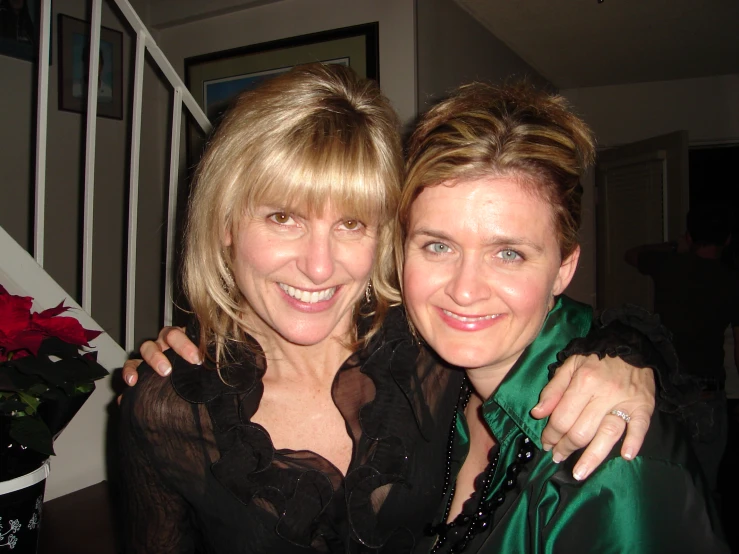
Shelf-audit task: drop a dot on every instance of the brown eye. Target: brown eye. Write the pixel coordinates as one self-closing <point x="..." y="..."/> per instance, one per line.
<point x="351" y="224"/>
<point x="281" y="217"/>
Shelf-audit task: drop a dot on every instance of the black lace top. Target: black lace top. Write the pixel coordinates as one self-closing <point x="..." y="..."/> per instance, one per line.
<point x="199" y="476"/>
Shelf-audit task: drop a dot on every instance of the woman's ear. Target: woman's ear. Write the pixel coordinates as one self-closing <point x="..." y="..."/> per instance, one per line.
<point x="227" y="238"/>
<point x="566" y="272"/>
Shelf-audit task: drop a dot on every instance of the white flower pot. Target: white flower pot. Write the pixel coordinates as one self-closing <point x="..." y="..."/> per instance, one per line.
<point x="21" y="502"/>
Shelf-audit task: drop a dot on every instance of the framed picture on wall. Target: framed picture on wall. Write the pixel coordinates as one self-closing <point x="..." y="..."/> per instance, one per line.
<point x="19" y="28"/>
<point x="215" y="79"/>
<point x="74" y="56"/>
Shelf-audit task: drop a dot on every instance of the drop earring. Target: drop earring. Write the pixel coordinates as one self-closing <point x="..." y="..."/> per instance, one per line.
<point x="227" y="276"/>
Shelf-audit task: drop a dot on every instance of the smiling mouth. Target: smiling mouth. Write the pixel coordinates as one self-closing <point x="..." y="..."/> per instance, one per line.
<point x="465" y="319"/>
<point x="307" y="296"/>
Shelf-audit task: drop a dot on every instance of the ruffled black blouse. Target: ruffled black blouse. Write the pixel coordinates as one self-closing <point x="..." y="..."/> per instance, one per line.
<point x="200" y="476"/>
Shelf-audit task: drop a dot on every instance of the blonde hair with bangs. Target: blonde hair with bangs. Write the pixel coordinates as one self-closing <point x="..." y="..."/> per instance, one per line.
<point x="513" y="131"/>
<point x="315" y="137"/>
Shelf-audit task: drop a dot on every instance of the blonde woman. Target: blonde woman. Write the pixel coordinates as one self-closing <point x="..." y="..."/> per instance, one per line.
<point x="314" y="423"/>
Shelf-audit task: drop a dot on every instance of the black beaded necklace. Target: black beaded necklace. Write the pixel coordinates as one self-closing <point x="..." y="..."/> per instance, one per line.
<point x="481" y="520"/>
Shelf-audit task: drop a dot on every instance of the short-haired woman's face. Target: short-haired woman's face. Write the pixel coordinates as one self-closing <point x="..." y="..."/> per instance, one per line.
<point x="482" y="263"/>
<point x="302" y="274"/>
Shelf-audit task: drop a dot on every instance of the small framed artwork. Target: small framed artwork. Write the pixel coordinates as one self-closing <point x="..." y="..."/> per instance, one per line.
<point x="74" y="57"/>
<point x="215" y="79"/>
<point x="19" y="28"/>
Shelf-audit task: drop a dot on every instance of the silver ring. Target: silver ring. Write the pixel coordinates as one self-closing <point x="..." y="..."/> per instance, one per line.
<point x="623" y="415"/>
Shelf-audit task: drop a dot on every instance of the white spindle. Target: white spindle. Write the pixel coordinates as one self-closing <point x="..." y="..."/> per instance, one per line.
<point x="133" y="202"/>
<point x="166" y="67"/>
<point x="92" y="104"/>
<point x="174" y="169"/>
<point x="42" y="110"/>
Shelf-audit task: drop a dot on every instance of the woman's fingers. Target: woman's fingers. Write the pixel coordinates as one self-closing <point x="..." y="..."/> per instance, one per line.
<point x="175" y="338"/>
<point x="130" y="372"/>
<point x="636" y="430"/>
<point x="152" y="354"/>
<point x="552" y="393"/>
<point x="169" y="337"/>
<point x="609" y="433"/>
<point x="563" y="399"/>
<point x="582" y="417"/>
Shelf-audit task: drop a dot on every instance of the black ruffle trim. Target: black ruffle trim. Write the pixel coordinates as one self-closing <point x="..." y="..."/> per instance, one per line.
<point x="638" y="337"/>
<point x="302" y="488"/>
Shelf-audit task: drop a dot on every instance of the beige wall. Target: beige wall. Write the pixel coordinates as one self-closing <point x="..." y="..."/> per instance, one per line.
<point x="80" y="461"/>
<point x="64" y="183"/>
<point x="454" y="48"/>
<point x="297" y="17"/>
<point x="708" y="108"/>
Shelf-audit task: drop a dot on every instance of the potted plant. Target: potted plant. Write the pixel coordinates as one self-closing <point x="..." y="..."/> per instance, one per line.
<point x="46" y="373"/>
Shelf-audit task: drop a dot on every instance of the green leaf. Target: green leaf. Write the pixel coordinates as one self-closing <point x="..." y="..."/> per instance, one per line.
<point x="32" y="433"/>
<point x="84" y="387"/>
<point x="37" y="389"/>
<point x="31" y="401"/>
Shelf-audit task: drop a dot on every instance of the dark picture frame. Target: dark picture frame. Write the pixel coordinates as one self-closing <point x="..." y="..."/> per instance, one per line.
<point x="74" y="40"/>
<point x="19" y="29"/>
<point x="215" y="79"/>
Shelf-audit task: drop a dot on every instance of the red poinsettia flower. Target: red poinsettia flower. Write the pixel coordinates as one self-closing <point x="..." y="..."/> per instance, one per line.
<point x="21" y="332"/>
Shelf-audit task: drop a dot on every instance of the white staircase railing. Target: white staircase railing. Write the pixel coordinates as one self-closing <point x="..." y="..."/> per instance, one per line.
<point x="144" y="42"/>
<point x="81" y="448"/>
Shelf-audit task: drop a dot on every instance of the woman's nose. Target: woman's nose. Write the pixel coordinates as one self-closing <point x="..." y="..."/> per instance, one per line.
<point x="468" y="283"/>
<point x="316" y="260"/>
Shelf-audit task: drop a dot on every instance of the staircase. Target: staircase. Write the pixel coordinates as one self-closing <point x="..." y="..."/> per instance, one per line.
<point x="81" y="449"/>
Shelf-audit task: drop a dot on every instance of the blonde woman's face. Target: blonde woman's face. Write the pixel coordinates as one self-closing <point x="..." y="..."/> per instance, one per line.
<point x="302" y="274"/>
<point x="482" y="262"/>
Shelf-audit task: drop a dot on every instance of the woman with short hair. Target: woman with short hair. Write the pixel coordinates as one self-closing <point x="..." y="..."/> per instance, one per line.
<point x="488" y="243"/>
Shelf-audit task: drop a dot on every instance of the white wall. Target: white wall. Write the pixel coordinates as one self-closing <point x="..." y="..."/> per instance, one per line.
<point x="298" y="17"/>
<point x="708" y="108"/>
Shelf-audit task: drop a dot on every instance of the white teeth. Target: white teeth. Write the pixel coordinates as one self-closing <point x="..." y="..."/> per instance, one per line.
<point x="307" y="296"/>
<point x="468" y="319"/>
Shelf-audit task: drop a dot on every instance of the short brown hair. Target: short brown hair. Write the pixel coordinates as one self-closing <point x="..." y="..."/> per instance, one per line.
<point x="315" y="134"/>
<point x="511" y="131"/>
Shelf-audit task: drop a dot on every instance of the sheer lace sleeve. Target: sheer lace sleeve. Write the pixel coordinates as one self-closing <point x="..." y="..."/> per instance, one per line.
<point x="162" y="456"/>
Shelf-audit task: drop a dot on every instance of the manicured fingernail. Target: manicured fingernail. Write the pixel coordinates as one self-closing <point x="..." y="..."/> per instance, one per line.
<point x="129" y="380"/>
<point x="628" y="455"/>
<point x="537" y="407"/>
<point x="580" y="472"/>
<point x="557" y="457"/>
<point x="164" y="368"/>
<point x="195" y="359"/>
<point x="546" y="446"/>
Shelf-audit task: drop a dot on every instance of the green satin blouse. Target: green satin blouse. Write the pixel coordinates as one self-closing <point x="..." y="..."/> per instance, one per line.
<point x="652" y="504"/>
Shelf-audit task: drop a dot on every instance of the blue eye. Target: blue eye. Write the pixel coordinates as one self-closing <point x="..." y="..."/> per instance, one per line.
<point x="437" y="248"/>
<point x="509" y="255"/>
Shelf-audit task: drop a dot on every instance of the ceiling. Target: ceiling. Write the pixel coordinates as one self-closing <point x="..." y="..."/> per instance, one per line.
<point x="582" y="43"/>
